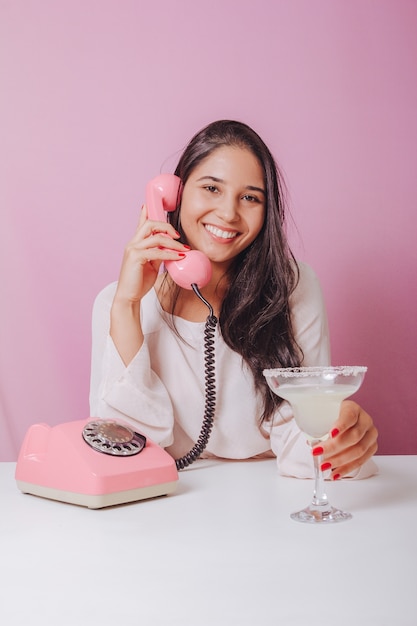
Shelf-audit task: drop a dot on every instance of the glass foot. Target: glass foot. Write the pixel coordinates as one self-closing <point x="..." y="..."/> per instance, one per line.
<point x="314" y="515"/>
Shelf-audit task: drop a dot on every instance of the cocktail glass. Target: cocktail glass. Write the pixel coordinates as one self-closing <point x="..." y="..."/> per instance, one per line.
<point x="315" y="394"/>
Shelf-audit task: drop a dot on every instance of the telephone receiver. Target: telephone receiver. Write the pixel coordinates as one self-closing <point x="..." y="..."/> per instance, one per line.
<point x="162" y="196"/>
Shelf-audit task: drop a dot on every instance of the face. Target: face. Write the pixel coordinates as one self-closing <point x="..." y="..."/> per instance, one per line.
<point x="223" y="204"/>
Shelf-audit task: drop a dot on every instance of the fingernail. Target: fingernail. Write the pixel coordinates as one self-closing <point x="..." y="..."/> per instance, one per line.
<point x="325" y="466"/>
<point x="186" y="247"/>
<point x="336" y="476"/>
<point x="177" y="233"/>
<point x="317" y="451"/>
<point x="181" y="255"/>
<point x="334" y="432"/>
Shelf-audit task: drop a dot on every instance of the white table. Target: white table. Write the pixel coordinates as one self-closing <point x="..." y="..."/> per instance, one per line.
<point x="220" y="551"/>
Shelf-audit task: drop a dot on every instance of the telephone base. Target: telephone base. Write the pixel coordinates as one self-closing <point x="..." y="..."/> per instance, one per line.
<point x="58" y="464"/>
<point x="101" y="500"/>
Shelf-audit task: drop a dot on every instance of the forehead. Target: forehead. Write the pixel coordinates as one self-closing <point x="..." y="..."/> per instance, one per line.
<point x="231" y="164"/>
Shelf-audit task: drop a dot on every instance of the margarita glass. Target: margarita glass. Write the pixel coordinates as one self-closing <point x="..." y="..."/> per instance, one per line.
<point x="315" y="394"/>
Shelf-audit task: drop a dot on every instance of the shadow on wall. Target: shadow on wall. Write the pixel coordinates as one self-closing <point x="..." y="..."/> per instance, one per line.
<point x="373" y="325"/>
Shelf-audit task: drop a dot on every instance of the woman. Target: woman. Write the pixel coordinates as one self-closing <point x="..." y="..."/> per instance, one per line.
<point x="148" y="333"/>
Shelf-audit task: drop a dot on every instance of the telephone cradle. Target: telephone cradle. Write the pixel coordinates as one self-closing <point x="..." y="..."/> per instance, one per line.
<point x="94" y="463"/>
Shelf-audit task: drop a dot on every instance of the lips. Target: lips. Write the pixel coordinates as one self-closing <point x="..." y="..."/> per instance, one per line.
<point x="222" y="234"/>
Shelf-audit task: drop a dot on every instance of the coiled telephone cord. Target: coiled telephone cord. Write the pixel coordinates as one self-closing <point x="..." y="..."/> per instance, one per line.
<point x="210" y="388"/>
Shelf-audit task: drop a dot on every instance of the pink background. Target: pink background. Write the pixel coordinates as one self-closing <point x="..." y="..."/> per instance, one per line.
<point x="97" y="96"/>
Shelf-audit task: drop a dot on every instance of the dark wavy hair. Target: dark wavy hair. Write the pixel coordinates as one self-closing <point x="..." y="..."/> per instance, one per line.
<point x="255" y="317"/>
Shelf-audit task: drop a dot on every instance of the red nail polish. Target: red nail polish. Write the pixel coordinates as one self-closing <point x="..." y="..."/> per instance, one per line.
<point x="334" y="432"/>
<point x="336" y="476"/>
<point x="317" y="451"/>
<point x="325" y="466"/>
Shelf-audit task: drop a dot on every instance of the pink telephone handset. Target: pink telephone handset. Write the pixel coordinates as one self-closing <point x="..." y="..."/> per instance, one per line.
<point x="162" y="195"/>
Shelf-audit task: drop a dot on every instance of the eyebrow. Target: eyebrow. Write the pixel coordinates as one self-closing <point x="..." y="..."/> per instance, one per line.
<point x="220" y="180"/>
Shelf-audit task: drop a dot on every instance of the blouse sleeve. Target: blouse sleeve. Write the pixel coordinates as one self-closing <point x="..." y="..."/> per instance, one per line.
<point x="309" y="319"/>
<point x="134" y="393"/>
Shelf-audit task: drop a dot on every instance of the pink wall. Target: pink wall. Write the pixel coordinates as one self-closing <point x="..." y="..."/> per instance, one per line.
<point x="101" y="95"/>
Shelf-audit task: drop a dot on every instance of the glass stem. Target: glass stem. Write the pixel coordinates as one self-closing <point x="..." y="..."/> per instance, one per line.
<point x="319" y="497"/>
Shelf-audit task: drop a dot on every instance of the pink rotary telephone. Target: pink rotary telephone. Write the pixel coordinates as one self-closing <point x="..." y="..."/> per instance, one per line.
<point x="99" y="463"/>
<point x="94" y="463"/>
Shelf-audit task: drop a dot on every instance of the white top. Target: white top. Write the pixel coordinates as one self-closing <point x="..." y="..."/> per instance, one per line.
<point x="161" y="392"/>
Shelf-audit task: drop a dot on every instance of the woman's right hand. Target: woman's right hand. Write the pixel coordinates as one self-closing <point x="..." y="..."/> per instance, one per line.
<point x="153" y="243"/>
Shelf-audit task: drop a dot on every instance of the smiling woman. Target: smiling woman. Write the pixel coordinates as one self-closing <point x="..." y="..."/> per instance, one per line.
<point x="148" y="366"/>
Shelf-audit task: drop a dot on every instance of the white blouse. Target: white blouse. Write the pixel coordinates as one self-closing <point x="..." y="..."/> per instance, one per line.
<point x="161" y="393"/>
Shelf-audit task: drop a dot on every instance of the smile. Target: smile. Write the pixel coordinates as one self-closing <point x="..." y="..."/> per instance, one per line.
<point x="223" y="234"/>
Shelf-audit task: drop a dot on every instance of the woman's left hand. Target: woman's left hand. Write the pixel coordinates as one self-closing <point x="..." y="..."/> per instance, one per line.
<point x="352" y="442"/>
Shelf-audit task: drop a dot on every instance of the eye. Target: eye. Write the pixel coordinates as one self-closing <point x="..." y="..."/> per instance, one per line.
<point x="250" y="198"/>
<point x="211" y="188"/>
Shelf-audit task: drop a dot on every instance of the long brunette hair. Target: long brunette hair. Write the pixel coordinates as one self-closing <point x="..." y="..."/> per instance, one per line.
<point x="255" y="317"/>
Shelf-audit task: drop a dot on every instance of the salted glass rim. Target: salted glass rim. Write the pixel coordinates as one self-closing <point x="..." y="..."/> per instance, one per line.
<point x="300" y="372"/>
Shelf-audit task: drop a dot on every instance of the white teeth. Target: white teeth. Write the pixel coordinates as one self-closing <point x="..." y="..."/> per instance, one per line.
<point x="220" y="233"/>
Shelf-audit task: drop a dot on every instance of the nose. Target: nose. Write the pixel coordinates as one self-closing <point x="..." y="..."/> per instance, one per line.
<point x="228" y="209"/>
